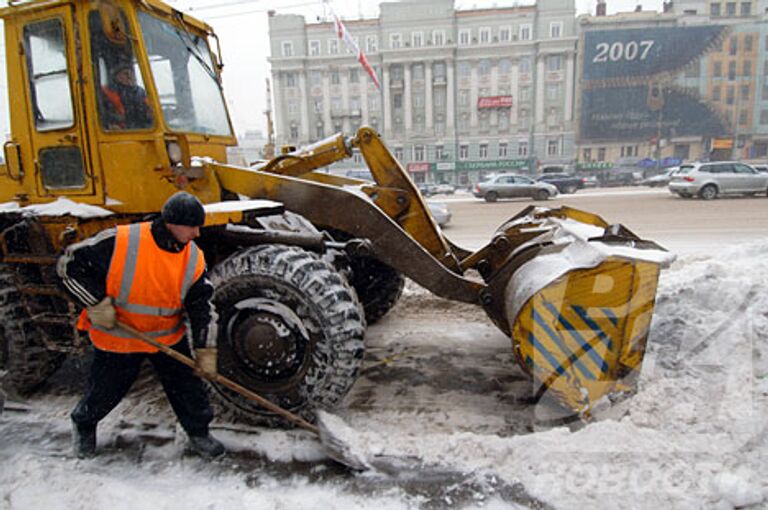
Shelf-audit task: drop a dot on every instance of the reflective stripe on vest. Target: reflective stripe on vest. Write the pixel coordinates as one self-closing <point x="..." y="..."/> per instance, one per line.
<point x="148" y="286"/>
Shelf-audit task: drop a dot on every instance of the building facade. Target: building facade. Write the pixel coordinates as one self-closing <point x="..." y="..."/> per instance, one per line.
<point x="464" y="92"/>
<point x="710" y="104"/>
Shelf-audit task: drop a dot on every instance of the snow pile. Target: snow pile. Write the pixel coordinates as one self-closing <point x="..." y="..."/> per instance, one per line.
<point x="60" y="207"/>
<point x="692" y="436"/>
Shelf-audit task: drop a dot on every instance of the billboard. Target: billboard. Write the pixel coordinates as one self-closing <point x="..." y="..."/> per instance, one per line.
<point x="634" y="87"/>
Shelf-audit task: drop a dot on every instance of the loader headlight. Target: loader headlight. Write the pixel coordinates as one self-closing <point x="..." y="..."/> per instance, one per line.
<point x="174" y="152"/>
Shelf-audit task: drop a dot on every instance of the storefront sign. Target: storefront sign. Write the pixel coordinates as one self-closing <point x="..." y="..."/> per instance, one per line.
<point x="494" y="102"/>
<point x="418" y="167"/>
<point x="497" y="164"/>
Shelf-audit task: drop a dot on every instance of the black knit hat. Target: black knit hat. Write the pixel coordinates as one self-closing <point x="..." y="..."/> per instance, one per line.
<point x="183" y="209"/>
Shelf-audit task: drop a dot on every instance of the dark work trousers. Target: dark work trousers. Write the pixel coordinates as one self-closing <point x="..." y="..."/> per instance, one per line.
<point x="112" y="375"/>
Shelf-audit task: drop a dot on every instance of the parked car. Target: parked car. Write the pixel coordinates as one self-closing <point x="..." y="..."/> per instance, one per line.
<point x="565" y="183"/>
<point x="709" y="180"/>
<point x="590" y="181"/>
<point x="427" y="189"/>
<point x="662" y="179"/>
<point x="440" y="212"/>
<point x="513" y="185"/>
<point x="763" y="169"/>
<point x="445" y="189"/>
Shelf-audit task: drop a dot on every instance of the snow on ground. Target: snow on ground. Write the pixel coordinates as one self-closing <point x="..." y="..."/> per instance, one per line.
<point x="445" y="411"/>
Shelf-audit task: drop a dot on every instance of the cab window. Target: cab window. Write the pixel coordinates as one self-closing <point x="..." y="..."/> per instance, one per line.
<point x="49" y="88"/>
<point x="121" y="95"/>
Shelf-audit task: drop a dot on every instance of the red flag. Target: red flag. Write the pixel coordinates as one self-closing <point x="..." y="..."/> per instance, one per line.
<point x="344" y="35"/>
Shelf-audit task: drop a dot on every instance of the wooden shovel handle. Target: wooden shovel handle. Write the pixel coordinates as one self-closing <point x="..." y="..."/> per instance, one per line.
<point x="220" y="379"/>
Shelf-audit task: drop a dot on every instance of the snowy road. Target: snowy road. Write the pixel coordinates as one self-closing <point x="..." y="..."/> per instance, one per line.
<point x="440" y="390"/>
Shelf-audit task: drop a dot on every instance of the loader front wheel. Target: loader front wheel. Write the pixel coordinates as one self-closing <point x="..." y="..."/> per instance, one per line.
<point x="22" y="350"/>
<point x="290" y="329"/>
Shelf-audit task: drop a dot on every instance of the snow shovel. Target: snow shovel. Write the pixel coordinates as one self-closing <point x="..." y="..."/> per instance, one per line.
<point x="335" y="446"/>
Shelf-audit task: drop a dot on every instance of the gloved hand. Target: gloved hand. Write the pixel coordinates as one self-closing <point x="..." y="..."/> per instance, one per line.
<point x="103" y="314"/>
<point x="206" y="360"/>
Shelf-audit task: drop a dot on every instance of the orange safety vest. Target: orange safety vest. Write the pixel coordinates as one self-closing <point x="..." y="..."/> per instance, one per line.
<point x="148" y="286"/>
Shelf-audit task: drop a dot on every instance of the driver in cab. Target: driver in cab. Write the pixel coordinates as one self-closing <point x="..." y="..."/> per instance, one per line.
<point x="124" y="102"/>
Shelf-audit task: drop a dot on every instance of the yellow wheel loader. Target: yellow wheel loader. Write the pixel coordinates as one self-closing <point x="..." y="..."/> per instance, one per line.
<point x="117" y="104"/>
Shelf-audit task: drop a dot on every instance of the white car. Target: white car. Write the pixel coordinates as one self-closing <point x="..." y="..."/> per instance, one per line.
<point x="712" y="179"/>
<point x="440" y="212"/>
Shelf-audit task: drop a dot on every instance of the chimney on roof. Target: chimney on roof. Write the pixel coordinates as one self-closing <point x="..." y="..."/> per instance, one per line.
<point x="601" y="6"/>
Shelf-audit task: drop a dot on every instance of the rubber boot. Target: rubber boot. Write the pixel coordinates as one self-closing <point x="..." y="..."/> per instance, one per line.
<point x="83" y="440"/>
<point x="206" y="446"/>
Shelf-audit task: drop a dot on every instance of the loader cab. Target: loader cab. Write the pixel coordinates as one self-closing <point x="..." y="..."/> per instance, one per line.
<point x="110" y="100"/>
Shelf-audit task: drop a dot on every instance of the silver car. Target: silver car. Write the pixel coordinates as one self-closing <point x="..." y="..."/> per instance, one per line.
<point x="440" y="212"/>
<point x="709" y="180"/>
<point x="513" y="185"/>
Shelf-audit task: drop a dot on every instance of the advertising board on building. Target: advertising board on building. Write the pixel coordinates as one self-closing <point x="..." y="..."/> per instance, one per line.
<point x="494" y="102"/>
<point x="634" y="84"/>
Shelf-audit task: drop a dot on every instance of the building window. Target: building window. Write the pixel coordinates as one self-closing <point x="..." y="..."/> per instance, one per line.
<point x="354" y="104"/>
<point x="371" y="44"/>
<point x="438" y="98"/>
<point x="463" y="151"/>
<point x="714" y="9"/>
<point x="335" y="77"/>
<point x="586" y="155"/>
<point x="503" y="120"/>
<point x="438" y="70"/>
<point x="317" y="105"/>
<point x="373" y="103"/>
<point x="439" y="152"/>
<point x="333" y="46"/>
<point x="290" y="79"/>
<point x="729" y="95"/>
<point x="553" y="148"/>
<point x="464" y="68"/>
<point x="502" y="150"/>
<point x="483" y="151"/>
<point x="314" y="48"/>
<point x="397" y="100"/>
<point x="438" y="37"/>
<point x="733" y="45"/>
<point x="336" y="104"/>
<point x="287" y="48"/>
<point x="716" y="93"/>
<point x="743" y="117"/>
<point x="485" y="35"/>
<point x="505" y="65"/>
<point x="292" y="107"/>
<point x="484" y="68"/>
<point x="439" y="125"/>
<point x="553" y="91"/>
<point x="763" y="117"/>
<point x="745" y="92"/>
<point x="465" y="36"/>
<point x="418" y="153"/>
<point x="395" y="41"/>
<point x="522" y="149"/>
<point x="525" y="32"/>
<point x="417" y="39"/>
<point x="294" y="132"/>
<point x="553" y="117"/>
<point x="730" y="9"/>
<point x="505" y="34"/>
<point x="418" y="71"/>
<point x="554" y="63"/>
<point x="601" y="154"/>
<point x="524" y="120"/>
<point x="418" y="100"/>
<point x="746" y="8"/>
<point x="717" y="70"/>
<point x="319" y="131"/>
<point x="399" y="153"/>
<point x="629" y="151"/>
<point x="316" y="78"/>
<point x="748" y="43"/>
<point x="463" y="97"/>
<point x="747" y="69"/>
<point x="732" y="70"/>
<point x="525" y="64"/>
<point x="556" y="29"/>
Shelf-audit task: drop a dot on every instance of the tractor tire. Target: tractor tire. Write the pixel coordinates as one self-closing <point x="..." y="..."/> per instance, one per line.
<point x="378" y="286"/>
<point x="290" y="328"/>
<point x="22" y="350"/>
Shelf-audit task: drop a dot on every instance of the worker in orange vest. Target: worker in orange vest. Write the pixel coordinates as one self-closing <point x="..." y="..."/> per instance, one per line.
<point x="149" y="276"/>
<point x="124" y="103"/>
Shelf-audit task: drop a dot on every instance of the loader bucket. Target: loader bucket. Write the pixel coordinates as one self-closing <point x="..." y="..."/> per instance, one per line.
<point x="579" y="309"/>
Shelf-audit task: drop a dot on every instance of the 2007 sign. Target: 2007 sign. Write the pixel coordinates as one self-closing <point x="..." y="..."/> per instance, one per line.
<point x="633" y="50"/>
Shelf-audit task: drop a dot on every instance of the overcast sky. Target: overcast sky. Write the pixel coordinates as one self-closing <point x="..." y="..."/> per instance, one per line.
<point x="243" y="30"/>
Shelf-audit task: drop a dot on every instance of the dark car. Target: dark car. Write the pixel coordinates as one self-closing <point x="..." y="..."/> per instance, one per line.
<point x="565" y="183"/>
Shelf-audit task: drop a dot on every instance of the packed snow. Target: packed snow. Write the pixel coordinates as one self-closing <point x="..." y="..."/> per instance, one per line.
<point x="441" y="414"/>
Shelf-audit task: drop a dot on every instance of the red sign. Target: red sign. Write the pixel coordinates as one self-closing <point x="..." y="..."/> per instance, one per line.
<point x="494" y="102"/>
<point x="418" y="167"/>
